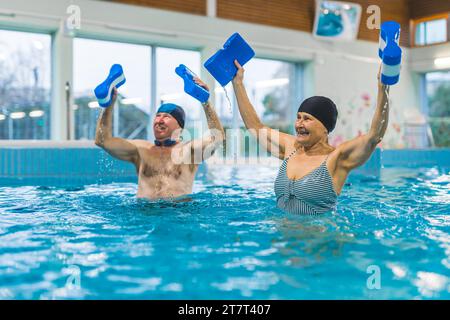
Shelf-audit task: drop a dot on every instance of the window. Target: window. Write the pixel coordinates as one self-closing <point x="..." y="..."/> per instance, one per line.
<point x="92" y="61"/>
<point x="438" y="105"/>
<point x="134" y="110"/>
<point x="430" y="31"/>
<point x="170" y="87"/>
<point x="25" y="85"/>
<point x="272" y="89"/>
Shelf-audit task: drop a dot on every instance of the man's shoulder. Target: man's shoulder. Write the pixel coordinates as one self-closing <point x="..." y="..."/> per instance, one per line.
<point x="141" y="143"/>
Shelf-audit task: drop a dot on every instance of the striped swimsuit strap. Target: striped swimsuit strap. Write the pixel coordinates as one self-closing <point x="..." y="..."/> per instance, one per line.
<point x="285" y="161"/>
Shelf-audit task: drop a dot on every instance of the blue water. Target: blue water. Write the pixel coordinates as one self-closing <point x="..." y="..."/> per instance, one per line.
<point x="229" y="242"/>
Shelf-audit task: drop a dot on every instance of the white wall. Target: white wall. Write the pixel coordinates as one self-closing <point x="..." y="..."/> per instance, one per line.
<point x="422" y="59"/>
<point x="343" y="71"/>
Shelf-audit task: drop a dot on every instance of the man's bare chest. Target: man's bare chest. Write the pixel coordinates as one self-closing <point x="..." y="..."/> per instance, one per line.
<point x="157" y="164"/>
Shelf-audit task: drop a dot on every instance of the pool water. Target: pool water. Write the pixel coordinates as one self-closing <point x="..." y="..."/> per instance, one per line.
<point x="388" y="239"/>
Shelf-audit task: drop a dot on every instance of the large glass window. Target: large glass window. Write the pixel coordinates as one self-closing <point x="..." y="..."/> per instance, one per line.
<point x="25" y="85"/>
<point x="431" y="31"/>
<point x="92" y="61"/>
<point x="272" y="88"/>
<point x="438" y="97"/>
<point x="170" y="87"/>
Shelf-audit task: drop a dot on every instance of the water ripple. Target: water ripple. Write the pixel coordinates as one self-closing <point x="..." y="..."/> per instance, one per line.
<point x="228" y="242"/>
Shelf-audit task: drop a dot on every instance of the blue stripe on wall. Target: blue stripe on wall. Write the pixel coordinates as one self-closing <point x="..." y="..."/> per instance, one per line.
<point x="67" y="166"/>
<point x="58" y="166"/>
<point x="416" y="158"/>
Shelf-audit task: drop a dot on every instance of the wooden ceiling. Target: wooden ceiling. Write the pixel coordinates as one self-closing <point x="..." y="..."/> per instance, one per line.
<point x="299" y="14"/>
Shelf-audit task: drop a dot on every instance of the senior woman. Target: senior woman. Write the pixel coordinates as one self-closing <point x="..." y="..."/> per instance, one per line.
<point x="313" y="172"/>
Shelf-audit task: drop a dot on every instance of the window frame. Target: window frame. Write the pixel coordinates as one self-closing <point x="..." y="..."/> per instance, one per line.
<point x="47" y="32"/>
<point x="425" y="105"/>
<point x="297" y="86"/>
<point x="415" y="22"/>
<point x="115" y="40"/>
<point x="153" y="46"/>
<point x="60" y="43"/>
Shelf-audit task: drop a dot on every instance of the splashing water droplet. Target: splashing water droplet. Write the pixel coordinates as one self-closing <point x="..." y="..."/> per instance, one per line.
<point x="228" y="99"/>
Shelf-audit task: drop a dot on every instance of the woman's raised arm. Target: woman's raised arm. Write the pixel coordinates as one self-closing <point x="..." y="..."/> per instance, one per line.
<point x="274" y="141"/>
<point x="355" y="152"/>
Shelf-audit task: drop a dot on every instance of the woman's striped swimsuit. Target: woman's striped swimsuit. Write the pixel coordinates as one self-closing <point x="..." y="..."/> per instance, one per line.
<point x="310" y="195"/>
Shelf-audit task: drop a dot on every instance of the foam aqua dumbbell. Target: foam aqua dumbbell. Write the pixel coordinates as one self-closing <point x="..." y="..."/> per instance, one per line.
<point x="115" y="79"/>
<point x="389" y="31"/>
<point x="392" y="59"/>
<point x="190" y="87"/>
<point x="390" y="52"/>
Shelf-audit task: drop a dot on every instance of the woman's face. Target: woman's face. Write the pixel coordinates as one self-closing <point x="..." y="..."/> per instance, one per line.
<point x="309" y="129"/>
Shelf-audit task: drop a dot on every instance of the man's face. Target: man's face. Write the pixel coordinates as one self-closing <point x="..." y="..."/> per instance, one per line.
<point x="164" y="125"/>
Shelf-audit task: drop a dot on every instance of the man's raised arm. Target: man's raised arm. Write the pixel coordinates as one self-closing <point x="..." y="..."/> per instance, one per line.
<point x="207" y="145"/>
<point x="117" y="147"/>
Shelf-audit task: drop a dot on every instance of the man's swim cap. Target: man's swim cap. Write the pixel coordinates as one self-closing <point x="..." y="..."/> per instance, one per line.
<point x="175" y="111"/>
<point x="321" y="108"/>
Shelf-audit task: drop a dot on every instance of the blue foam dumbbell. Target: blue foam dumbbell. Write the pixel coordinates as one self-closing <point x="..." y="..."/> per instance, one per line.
<point x="389" y="31"/>
<point x="392" y="59"/>
<point x="221" y="64"/>
<point x="390" y="52"/>
<point x="190" y="87"/>
<point x="103" y="91"/>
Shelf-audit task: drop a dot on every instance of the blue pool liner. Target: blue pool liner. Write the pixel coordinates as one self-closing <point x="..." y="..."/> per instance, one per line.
<point x="75" y="166"/>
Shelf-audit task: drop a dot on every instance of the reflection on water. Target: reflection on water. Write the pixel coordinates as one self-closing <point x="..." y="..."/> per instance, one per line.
<point x="305" y="241"/>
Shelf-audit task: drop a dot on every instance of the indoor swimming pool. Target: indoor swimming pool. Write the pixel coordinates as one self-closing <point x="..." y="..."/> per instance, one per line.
<point x="228" y="241"/>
